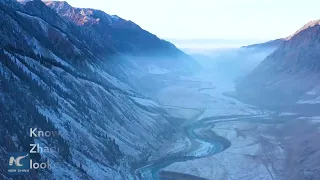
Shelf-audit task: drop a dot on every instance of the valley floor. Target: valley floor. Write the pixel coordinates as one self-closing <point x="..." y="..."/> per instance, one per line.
<point x="263" y="146"/>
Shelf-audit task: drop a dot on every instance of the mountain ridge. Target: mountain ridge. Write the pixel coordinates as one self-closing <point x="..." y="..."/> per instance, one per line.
<point x="289" y="73"/>
<point x="271" y="44"/>
<point x="310" y="24"/>
<point x="104" y="24"/>
<point x="58" y="76"/>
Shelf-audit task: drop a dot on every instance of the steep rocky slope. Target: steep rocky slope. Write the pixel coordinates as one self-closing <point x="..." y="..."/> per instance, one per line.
<point x="58" y="76"/>
<point x="289" y="74"/>
<point x="144" y="52"/>
<point x="122" y="35"/>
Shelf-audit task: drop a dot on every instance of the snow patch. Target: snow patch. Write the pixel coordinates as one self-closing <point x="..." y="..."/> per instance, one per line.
<point x="152" y="69"/>
<point x="312" y="101"/>
<point x="204" y="149"/>
<point x="145" y="102"/>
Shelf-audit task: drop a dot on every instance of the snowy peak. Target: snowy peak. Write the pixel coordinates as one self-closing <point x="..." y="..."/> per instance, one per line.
<point x="81" y="16"/>
<point x="62" y="6"/>
<point x="122" y="35"/>
<point x="310" y="24"/>
<point x="39" y="9"/>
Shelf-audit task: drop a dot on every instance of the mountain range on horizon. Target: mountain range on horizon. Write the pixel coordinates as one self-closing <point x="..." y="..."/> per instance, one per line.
<point x="214" y="40"/>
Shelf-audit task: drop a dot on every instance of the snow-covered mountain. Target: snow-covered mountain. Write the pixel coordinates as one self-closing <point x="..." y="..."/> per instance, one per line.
<point x="290" y="74"/>
<point x="122" y="35"/>
<point x="71" y="70"/>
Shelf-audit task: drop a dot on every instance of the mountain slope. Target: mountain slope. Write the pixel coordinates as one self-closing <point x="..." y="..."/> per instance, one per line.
<point x="53" y="77"/>
<point x="269" y="44"/>
<point x="289" y="74"/>
<point x="124" y="36"/>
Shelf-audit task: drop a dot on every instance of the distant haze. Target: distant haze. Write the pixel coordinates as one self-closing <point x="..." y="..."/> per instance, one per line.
<point x="203" y="45"/>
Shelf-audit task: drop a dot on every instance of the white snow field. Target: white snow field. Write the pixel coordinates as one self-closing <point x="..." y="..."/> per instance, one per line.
<point x="202" y="96"/>
<point x="254" y="153"/>
<point x="259" y="150"/>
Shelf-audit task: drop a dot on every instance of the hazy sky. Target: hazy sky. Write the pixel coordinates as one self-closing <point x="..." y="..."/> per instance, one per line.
<point x="202" y="19"/>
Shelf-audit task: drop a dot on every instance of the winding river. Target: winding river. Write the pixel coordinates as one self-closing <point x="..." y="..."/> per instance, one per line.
<point x="152" y="169"/>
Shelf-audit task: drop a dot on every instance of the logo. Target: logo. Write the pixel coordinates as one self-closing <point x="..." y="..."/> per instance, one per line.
<point x="19" y="163"/>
